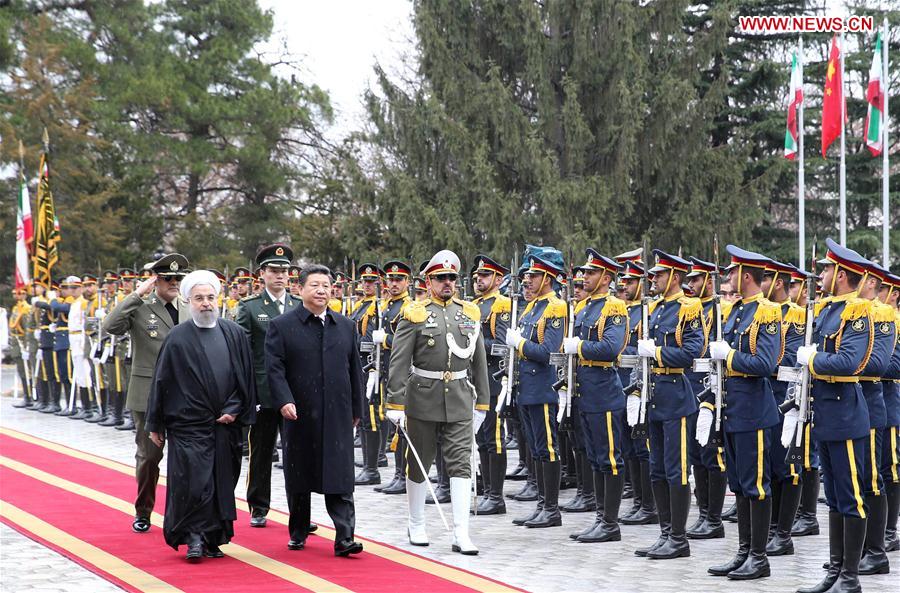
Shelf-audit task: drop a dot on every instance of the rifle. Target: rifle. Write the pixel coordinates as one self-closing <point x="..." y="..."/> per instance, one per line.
<point x="565" y="363"/>
<point x="715" y="378"/>
<point x="799" y="377"/>
<point x="508" y="364"/>
<point x="640" y="430"/>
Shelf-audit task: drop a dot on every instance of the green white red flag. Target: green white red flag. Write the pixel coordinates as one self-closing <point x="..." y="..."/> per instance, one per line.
<point x="875" y="97"/>
<point x="795" y="100"/>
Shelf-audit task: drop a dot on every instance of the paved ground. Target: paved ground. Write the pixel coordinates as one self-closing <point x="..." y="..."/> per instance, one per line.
<point x="537" y="560"/>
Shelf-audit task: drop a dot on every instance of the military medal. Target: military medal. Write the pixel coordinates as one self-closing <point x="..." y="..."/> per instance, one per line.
<point x="430" y="342"/>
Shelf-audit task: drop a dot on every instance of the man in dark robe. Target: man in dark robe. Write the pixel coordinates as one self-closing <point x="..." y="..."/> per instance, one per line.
<point x="315" y="380"/>
<point x="203" y="392"/>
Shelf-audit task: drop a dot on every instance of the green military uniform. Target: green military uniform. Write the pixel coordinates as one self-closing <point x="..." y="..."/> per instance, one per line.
<point x="21" y="335"/>
<point x="438" y="376"/>
<point x="147" y="322"/>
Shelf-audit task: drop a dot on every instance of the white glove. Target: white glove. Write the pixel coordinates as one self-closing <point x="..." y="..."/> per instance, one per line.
<point x="563" y="403"/>
<point x="478" y="419"/>
<point x="396" y="416"/>
<point x="37" y="334"/>
<point x="570" y="345"/>
<point x="804" y="353"/>
<point x="51" y="295"/>
<point x="52" y="328"/>
<point x="647" y="348"/>
<point x="504" y="391"/>
<point x="632" y="409"/>
<point x="704" y="424"/>
<point x="790" y="426"/>
<point x="101" y="313"/>
<point x="370" y="385"/>
<point x="719" y="350"/>
<point x="513" y="337"/>
<point x="26" y="355"/>
<point x="378" y="336"/>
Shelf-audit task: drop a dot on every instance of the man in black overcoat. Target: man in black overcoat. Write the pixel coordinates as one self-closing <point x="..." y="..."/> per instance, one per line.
<point x="315" y="380"/>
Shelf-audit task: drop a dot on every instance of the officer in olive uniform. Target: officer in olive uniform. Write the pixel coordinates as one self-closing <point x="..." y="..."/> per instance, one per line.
<point x="843" y="337"/>
<point x="147" y="317"/>
<point x="751" y="349"/>
<point x="438" y="385"/>
<point x="397" y="274"/>
<point x="491" y="437"/>
<point x="366" y="318"/>
<point x="254" y="314"/>
<point x="21" y="329"/>
<point x="676" y="339"/>
<point x="540" y="331"/>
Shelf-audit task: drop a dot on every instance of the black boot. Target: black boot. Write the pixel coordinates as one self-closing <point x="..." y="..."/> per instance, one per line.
<point x="550" y="515"/>
<point x="634" y="472"/>
<point x="398" y="484"/>
<point x="891" y="542"/>
<point x="676" y="545"/>
<point x="127" y="420"/>
<point x="608" y="529"/>
<point x="664" y="510"/>
<point x="101" y="407"/>
<point x="529" y="490"/>
<point x="67" y="408"/>
<point x="96" y="413"/>
<point x="781" y="543"/>
<point x="494" y="504"/>
<point x="114" y="405"/>
<point x="854" y="540"/>
<point x="756" y="565"/>
<point x="369" y="474"/>
<point x="39" y="396"/>
<point x="742" y="507"/>
<point x="874" y="560"/>
<point x="535" y="470"/>
<point x="731" y="514"/>
<point x="577" y="501"/>
<point x="442" y="489"/>
<point x="701" y="491"/>
<point x="86" y="410"/>
<point x="484" y="461"/>
<point x="806" y="522"/>
<point x="835" y="553"/>
<point x="598" y="481"/>
<point x="646" y="514"/>
<point x="712" y="527"/>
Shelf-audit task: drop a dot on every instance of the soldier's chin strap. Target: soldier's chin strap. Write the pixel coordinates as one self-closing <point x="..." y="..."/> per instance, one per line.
<point x="668" y="282"/>
<point x="834" y="278"/>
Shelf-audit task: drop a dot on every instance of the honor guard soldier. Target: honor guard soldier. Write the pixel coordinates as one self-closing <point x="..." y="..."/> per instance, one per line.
<point x="495" y="311"/>
<point x="676" y="339"/>
<point x="843" y="337"/>
<point x="874" y="559"/>
<point x="46" y="374"/>
<point x="600" y="336"/>
<point x="539" y="333"/>
<point x="419" y="289"/>
<point x="397" y="274"/>
<point x="636" y="451"/>
<point x="61" y="379"/>
<point x="20" y="326"/>
<point x="365" y="315"/>
<point x="82" y="330"/>
<point x="438" y="386"/>
<point x="147" y="317"/>
<point x="751" y="349"/>
<point x="336" y="303"/>
<point x="890" y="451"/>
<point x="294" y="281"/>
<point x="254" y="314"/>
<point x="108" y="369"/>
<point x="244" y="279"/>
<point x="707" y="463"/>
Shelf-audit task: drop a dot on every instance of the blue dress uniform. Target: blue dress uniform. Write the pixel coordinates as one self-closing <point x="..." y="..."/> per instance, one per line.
<point x="366" y="319"/>
<point x="875" y="560"/>
<point x="890" y="450"/>
<point x="707" y="463"/>
<point x="491" y="436"/>
<point x="61" y="378"/>
<point x="753" y="332"/>
<point x="676" y="327"/>
<point x="843" y="334"/>
<point x="601" y="324"/>
<point x="542" y="327"/>
<point x="390" y="318"/>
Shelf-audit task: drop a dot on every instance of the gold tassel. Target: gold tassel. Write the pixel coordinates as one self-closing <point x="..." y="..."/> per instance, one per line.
<point x="614" y="306"/>
<point x="796" y="315"/>
<point x="416" y="311"/>
<point x="691" y="308"/>
<point x="767" y="312"/>
<point x="882" y="313"/>
<point x="556" y="307"/>
<point x="502" y="304"/>
<point x="856" y="308"/>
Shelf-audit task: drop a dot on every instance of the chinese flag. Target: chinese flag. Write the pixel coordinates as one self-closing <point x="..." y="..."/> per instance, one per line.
<point x="833" y="98"/>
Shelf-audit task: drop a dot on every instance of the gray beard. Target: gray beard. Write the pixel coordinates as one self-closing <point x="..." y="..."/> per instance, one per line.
<point x="205" y="319"/>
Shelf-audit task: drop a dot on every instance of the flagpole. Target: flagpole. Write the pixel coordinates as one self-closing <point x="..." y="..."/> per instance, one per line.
<point x="801" y="181"/>
<point x="843" y="165"/>
<point x="885" y="169"/>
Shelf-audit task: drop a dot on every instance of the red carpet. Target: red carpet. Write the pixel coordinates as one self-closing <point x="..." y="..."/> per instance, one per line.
<point x="80" y="505"/>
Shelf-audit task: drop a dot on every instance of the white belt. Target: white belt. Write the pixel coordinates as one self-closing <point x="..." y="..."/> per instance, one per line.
<point x="444" y="375"/>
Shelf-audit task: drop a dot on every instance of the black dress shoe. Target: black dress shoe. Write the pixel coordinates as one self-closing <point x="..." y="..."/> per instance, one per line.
<point x="296" y="545"/>
<point x="312" y="527"/>
<point x="367" y="477"/>
<point x="258" y="521"/>
<point x="140" y="525"/>
<point x="213" y="551"/>
<point x="346" y="547"/>
<point x="194" y="552"/>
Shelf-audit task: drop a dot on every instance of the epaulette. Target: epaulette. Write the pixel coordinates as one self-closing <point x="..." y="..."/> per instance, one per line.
<point x="501" y="304"/>
<point x="614" y="306"/>
<point x="856" y="308"/>
<point x="726" y="308"/>
<point x="335" y="305"/>
<point x="416" y="312"/>
<point x="652" y="306"/>
<point x="691" y="308"/>
<point x="795" y="315"/>
<point x="581" y="305"/>
<point x="556" y="307"/>
<point x="820" y="304"/>
<point x="882" y="313"/>
<point x="470" y="310"/>
<point x="250" y="298"/>
<point x="767" y="312"/>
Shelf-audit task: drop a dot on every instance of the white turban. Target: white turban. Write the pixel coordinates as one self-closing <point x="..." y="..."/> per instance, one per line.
<point x="196" y="278"/>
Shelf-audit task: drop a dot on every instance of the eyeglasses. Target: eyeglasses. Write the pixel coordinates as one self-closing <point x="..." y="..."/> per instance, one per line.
<point x="446" y="277"/>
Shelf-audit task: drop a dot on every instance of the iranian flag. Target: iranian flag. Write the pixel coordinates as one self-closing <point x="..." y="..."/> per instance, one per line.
<point x="875" y="98"/>
<point x="24" y="235"/>
<point x="795" y="100"/>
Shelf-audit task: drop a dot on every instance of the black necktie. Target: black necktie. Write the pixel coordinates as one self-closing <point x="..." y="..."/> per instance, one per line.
<point x="173" y="313"/>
